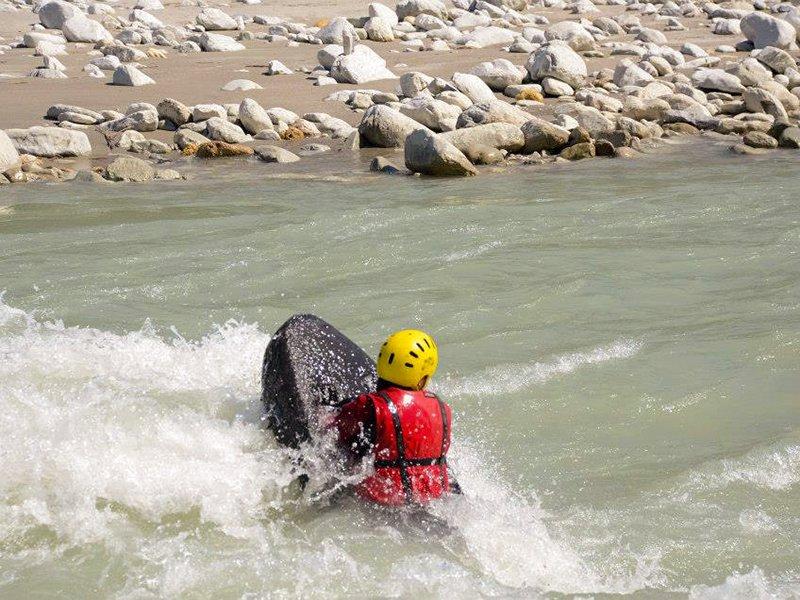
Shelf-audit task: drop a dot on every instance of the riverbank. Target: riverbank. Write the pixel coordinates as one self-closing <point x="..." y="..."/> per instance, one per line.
<point x="497" y="84"/>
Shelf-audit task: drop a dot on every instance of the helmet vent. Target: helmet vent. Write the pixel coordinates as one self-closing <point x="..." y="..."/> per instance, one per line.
<point x="391" y="358"/>
<point x="421" y="349"/>
<point x="414" y="354"/>
<point x="409" y="365"/>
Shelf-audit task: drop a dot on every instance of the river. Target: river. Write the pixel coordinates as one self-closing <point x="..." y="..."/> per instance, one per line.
<point x="620" y="342"/>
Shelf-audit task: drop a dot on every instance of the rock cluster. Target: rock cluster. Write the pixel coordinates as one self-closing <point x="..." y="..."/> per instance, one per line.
<point x="541" y="101"/>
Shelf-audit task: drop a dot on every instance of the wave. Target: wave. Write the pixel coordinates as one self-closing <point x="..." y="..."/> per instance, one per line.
<point x="510" y="378"/>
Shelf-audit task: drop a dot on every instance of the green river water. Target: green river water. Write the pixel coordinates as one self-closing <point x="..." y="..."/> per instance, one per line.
<point x="620" y="342"/>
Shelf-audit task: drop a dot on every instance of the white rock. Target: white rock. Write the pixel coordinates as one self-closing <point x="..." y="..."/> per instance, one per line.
<point x="9" y="157"/>
<point x="106" y="63"/>
<point x="94" y="71"/>
<point x="241" y="85"/>
<point x="225" y="131"/>
<point x="215" y="42"/>
<point x="626" y="73"/>
<point x="47" y="74"/>
<point x="472" y="87"/>
<point x="385" y="127"/>
<point x="412" y="8"/>
<point x="483" y="37"/>
<point x="434" y="114"/>
<point x="50" y="49"/>
<point x="34" y="38"/>
<point x="334" y="32"/>
<point x="379" y="30"/>
<point x="414" y="82"/>
<point x="498" y="74"/>
<point x="50" y="142"/>
<point x="203" y="112"/>
<point x="145" y="18"/>
<point x="276" y="67"/>
<point x="429" y="154"/>
<point x="280" y="114"/>
<point x="82" y="29"/>
<point x="574" y="34"/>
<point x="149" y="5"/>
<point x="559" y="62"/>
<point x="213" y="19"/>
<point x="717" y="80"/>
<point x="359" y="67"/>
<point x="51" y="62"/>
<point x="253" y="117"/>
<point x="128" y="75"/>
<point x="556" y="87"/>
<point x="376" y="9"/>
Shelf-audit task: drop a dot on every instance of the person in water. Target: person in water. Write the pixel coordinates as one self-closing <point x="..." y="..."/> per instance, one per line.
<point x="402" y="425"/>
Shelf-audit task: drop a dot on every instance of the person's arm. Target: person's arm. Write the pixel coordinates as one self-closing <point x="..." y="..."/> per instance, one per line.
<point x="355" y="424"/>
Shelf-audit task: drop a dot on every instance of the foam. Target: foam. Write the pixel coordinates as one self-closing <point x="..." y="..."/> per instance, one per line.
<point x="510" y="378"/>
<point x="753" y="585"/>
<point x="145" y="451"/>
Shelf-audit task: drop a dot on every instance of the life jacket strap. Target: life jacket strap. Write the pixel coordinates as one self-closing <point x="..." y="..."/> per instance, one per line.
<point x="401" y="446"/>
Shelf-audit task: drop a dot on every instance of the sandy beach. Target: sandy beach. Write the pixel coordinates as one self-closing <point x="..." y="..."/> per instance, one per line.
<point x="673" y="49"/>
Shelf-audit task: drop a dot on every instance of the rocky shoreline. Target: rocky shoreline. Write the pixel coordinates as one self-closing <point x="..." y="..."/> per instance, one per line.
<point x="510" y="83"/>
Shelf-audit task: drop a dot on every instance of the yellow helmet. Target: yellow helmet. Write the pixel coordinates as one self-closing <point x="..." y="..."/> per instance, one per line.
<point x="408" y="358"/>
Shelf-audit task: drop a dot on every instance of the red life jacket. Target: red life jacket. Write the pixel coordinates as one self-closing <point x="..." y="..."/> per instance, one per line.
<point x="412" y="437"/>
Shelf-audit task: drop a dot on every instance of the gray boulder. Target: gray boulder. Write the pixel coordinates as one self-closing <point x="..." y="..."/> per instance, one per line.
<point x="53" y="15"/>
<point x="717" y="80"/>
<point x="174" y="111"/>
<point x="185" y="137"/>
<point x="224" y="131"/>
<point x="560" y="62"/>
<point x="328" y="54"/>
<point x="541" y="136"/>
<point x="412" y="8"/>
<point x="428" y="154"/>
<point x="276" y="154"/>
<point x="215" y="42"/>
<point x="574" y="34"/>
<point x="253" y="117"/>
<point x="760" y="100"/>
<point x="385" y="127"/>
<point x="591" y="119"/>
<point x="434" y="114"/>
<point x="140" y="120"/>
<point x="627" y="73"/>
<point x="694" y="115"/>
<point x="127" y="168"/>
<point x="128" y="75"/>
<point x="82" y="29"/>
<point x="9" y="157"/>
<point x="498" y="74"/>
<point x="473" y="87"/>
<point x="213" y="19"/>
<point x="776" y="59"/>
<point x="764" y="30"/>
<point x="379" y="30"/>
<point x="361" y="66"/>
<point x="501" y="136"/>
<point x="50" y="142"/>
<point x="494" y="111"/>
<point x="335" y="31"/>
